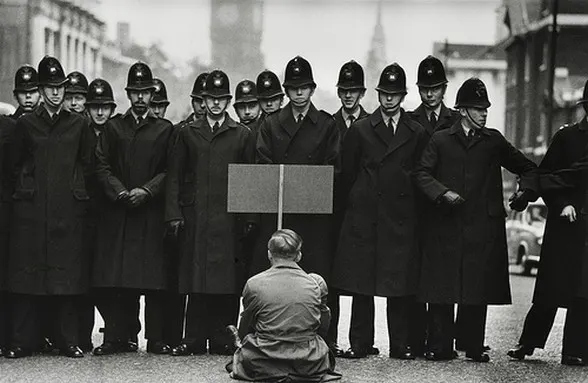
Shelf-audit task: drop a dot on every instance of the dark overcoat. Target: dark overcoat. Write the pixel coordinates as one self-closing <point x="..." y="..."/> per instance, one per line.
<point x="315" y="141"/>
<point x="129" y="251"/>
<point x="378" y="244"/>
<point x="52" y="161"/>
<point x="6" y="130"/>
<point x="447" y="117"/>
<point x="197" y="192"/>
<point x="464" y="254"/>
<point x="563" y="249"/>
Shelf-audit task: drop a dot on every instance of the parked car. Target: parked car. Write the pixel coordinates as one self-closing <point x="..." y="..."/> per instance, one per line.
<point x="524" y="235"/>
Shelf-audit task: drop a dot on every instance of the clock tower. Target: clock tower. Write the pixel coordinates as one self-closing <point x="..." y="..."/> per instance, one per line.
<point x="235" y="32"/>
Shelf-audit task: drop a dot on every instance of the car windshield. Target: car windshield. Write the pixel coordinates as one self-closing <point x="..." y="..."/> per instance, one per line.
<point x="536" y="215"/>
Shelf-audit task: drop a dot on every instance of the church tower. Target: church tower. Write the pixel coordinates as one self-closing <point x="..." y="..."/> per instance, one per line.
<point x="235" y="31"/>
<point x="376" y="61"/>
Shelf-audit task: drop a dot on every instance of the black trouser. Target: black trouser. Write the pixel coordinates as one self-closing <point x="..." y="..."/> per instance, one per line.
<point x="334" y="306"/>
<point x="539" y="322"/>
<point x="120" y="309"/>
<point x="207" y="317"/>
<point x="460" y="336"/>
<point x="361" y="329"/>
<point x="28" y="315"/>
<point x="442" y="328"/>
<point x="5" y="313"/>
<point x="86" y="314"/>
<point x="418" y="327"/>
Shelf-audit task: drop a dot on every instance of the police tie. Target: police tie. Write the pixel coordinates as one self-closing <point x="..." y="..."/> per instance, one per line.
<point x="299" y="118"/>
<point x="350" y="120"/>
<point x="139" y="120"/>
<point x="215" y="127"/>
<point x="391" y="127"/>
<point x="433" y="119"/>
<point x="471" y="135"/>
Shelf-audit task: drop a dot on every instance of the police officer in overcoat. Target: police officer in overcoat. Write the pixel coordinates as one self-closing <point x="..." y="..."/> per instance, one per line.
<point x="378" y="244"/>
<point x="269" y="92"/>
<point x="159" y="103"/>
<point x="75" y="93"/>
<point x="247" y="104"/>
<point x="210" y="266"/>
<point x="465" y="258"/>
<point x="563" y="253"/>
<point x="26" y="90"/>
<point x="298" y="134"/>
<point x="130" y="261"/>
<point x="49" y="255"/>
<point x="197" y="102"/>
<point x="6" y="131"/>
<point x="350" y="90"/>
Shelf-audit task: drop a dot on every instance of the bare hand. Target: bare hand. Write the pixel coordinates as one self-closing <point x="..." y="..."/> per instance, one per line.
<point x="174" y="227"/>
<point x="569" y="213"/>
<point x="137" y="196"/>
<point x="452" y="198"/>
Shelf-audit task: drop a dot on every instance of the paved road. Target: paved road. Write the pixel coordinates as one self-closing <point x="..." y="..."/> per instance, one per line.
<point x="504" y="325"/>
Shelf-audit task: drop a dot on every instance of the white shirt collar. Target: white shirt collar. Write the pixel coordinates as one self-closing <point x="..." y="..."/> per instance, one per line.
<point x="395" y="118"/>
<point x="437" y="112"/>
<point x="136" y="116"/>
<point x="346" y="115"/>
<point x="211" y="122"/>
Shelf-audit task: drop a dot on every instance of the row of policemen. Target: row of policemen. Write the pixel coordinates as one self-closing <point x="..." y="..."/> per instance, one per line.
<point x="418" y="209"/>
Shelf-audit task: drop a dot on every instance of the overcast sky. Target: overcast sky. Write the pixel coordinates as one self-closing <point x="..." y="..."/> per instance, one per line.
<point x="326" y="32"/>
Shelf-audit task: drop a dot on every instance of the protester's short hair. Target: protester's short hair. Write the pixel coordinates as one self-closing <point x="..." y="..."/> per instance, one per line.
<point x="285" y="243"/>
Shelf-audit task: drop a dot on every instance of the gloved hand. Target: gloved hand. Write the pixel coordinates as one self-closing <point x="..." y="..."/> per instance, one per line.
<point x="174" y="227"/>
<point x="137" y="196"/>
<point x="518" y="201"/>
<point x="569" y="213"/>
<point x="452" y="198"/>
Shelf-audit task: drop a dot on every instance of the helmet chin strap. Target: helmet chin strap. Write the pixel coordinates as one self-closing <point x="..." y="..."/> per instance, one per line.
<point x="472" y="120"/>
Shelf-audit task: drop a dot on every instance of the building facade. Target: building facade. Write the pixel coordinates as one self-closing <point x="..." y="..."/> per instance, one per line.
<point x="528" y="61"/>
<point x="31" y="29"/>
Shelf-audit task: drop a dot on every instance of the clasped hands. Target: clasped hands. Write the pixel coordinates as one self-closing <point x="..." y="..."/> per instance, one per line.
<point x="133" y="198"/>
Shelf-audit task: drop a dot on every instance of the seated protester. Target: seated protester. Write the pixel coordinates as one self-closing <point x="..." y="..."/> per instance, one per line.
<point x="284" y="315"/>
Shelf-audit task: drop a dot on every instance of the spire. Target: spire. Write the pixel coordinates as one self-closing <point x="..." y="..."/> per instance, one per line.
<point x="376" y="58"/>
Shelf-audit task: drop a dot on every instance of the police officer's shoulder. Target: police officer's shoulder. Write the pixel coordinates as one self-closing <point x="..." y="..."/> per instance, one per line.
<point x="326" y="117"/>
<point x="412" y="121"/>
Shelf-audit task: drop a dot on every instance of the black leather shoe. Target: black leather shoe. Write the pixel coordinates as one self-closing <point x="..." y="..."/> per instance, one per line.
<point x="336" y="350"/>
<point x="569" y="360"/>
<point x="107" y="348"/>
<point x="480" y="357"/>
<point x="185" y="349"/>
<point x="437" y="356"/>
<point x="520" y="351"/>
<point x="18" y="352"/>
<point x="354" y="354"/>
<point x="46" y="347"/>
<point x="3" y="351"/>
<point x="459" y="347"/>
<point x="373" y="351"/>
<point x="158" y="347"/>
<point x="71" y="352"/>
<point x="87" y="347"/>
<point x="404" y="354"/>
<point x="129" y="346"/>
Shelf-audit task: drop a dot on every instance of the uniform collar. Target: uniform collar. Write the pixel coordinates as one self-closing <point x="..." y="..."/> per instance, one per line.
<point x="220" y="122"/>
<point x="395" y="118"/>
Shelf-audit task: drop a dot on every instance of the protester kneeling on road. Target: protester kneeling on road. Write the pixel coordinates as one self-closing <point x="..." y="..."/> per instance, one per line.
<point x="284" y="315"/>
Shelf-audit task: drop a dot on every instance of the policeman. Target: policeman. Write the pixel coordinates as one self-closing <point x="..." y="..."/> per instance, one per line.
<point x="211" y="267"/>
<point x="100" y="104"/>
<point x="298" y="134"/>
<point x="131" y="165"/>
<point x="75" y="93"/>
<point x="562" y="260"/>
<point x="198" y="107"/>
<point x="432" y="114"/>
<point x="269" y="92"/>
<point x="378" y="245"/>
<point x="49" y="254"/>
<point x="350" y="90"/>
<point x="464" y="252"/>
<point x="247" y="105"/>
<point x="159" y="102"/>
<point x="6" y="131"/>
<point x="26" y="90"/>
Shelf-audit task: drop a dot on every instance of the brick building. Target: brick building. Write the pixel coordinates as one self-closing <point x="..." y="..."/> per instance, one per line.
<point x="528" y="46"/>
